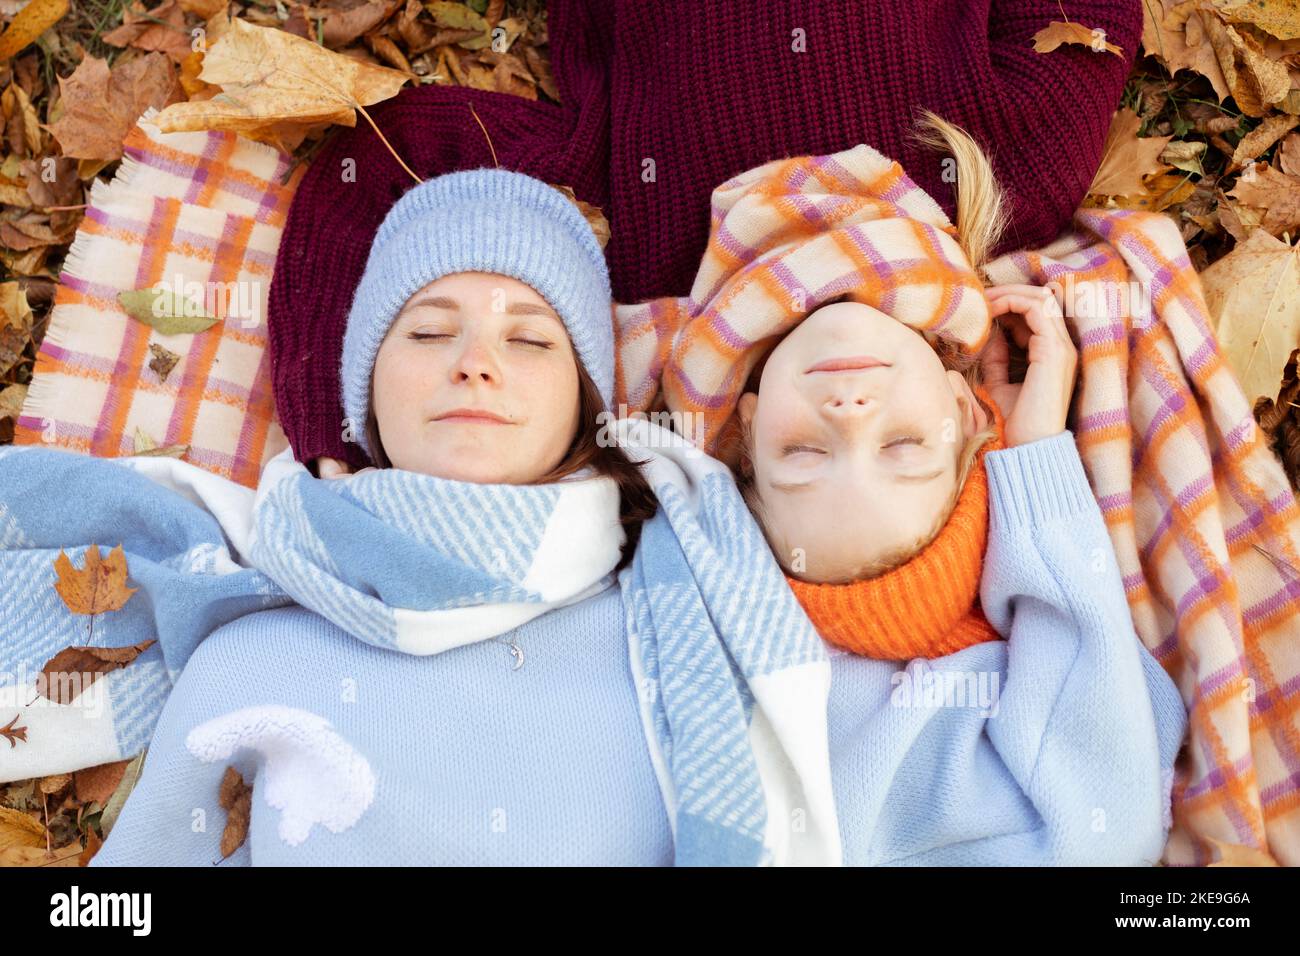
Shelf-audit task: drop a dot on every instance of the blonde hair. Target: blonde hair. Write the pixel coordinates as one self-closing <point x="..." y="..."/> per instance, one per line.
<point x="981" y="221"/>
<point x="981" y="202"/>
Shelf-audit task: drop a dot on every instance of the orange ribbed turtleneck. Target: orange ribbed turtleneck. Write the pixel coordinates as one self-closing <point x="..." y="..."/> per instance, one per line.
<point x="928" y="607"/>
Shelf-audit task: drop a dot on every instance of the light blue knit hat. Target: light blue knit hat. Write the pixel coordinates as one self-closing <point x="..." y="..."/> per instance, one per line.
<point x="482" y="220"/>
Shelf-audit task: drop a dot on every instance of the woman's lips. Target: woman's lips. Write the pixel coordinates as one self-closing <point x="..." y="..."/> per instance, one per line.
<point x="475" y="416"/>
<point x="849" y="363"/>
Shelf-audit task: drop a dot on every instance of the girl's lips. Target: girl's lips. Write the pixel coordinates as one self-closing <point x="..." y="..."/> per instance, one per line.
<point x="849" y="363"/>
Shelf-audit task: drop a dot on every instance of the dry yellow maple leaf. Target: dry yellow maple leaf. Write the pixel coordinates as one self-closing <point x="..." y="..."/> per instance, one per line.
<point x="1253" y="294"/>
<point x="69" y="855"/>
<point x="1056" y="33"/>
<point x="1126" y="158"/>
<point x="269" y="78"/>
<point x="1256" y="81"/>
<point x="29" y="23"/>
<point x="17" y="106"/>
<point x="19" y="829"/>
<point x="99" y="586"/>
<point x="1288" y="154"/>
<point x="203" y="9"/>
<point x="14" y="310"/>
<point x="1281" y="18"/>
<point x="1272" y="196"/>
<point x="1174" y="32"/>
<point x="1263" y="136"/>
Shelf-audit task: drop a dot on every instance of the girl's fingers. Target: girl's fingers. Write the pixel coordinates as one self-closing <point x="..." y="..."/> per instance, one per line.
<point x="1013" y="323"/>
<point x="1033" y="291"/>
<point x="1020" y="329"/>
<point x="1041" y="312"/>
<point x="996" y="358"/>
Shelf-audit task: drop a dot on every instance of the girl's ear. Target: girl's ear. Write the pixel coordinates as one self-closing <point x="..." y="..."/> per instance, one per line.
<point x="746" y="406"/>
<point x="973" y="417"/>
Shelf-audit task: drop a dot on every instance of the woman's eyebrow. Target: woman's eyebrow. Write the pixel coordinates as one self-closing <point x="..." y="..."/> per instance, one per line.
<point x="435" y="302"/>
<point x="530" y="308"/>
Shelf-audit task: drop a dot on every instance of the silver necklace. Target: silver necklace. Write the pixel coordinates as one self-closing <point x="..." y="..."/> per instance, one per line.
<point x="516" y="651"/>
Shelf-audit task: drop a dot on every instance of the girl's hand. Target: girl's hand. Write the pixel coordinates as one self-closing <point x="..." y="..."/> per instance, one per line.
<point x="333" y="468"/>
<point x="1036" y="408"/>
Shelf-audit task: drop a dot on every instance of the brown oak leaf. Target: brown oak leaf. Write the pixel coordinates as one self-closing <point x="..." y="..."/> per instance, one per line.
<point x="73" y="669"/>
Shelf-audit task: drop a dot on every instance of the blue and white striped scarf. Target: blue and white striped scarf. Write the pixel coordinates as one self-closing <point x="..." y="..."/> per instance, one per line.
<point x="733" y="678"/>
<point x="421" y="564"/>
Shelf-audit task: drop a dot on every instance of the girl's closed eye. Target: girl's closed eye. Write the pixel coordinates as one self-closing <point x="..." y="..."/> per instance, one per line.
<point x="904" y="440"/>
<point x="789" y="450"/>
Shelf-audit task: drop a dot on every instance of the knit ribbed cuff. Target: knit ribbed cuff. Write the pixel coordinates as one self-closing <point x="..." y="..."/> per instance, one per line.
<point x="1037" y="483"/>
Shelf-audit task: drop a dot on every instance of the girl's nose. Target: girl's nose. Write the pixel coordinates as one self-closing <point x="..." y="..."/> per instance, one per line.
<point x="850" y="403"/>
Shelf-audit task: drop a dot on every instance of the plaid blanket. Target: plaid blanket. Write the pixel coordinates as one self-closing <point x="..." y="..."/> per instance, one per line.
<point x="1204" y="524"/>
<point x="200" y="214"/>
<point x="1203" y="521"/>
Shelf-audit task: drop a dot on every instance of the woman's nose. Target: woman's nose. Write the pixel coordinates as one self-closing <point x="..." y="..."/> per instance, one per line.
<point x="475" y="363"/>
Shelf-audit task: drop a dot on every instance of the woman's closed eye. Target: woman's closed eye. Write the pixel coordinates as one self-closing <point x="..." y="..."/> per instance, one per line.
<point x="443" y="336"/>
<point x="536" y="343"/>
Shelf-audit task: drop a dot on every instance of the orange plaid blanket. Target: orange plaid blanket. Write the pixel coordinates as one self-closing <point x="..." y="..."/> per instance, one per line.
<point x="199" y="214"/>
<point x="1205" y="526"/>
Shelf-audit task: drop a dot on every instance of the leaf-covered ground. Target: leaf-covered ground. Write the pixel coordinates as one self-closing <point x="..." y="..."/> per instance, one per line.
<point x="1205" y="131"/>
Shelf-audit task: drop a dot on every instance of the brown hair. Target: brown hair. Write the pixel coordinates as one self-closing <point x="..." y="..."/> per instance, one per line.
<point x="637" y="502"/>
<point x="981" y="220"/>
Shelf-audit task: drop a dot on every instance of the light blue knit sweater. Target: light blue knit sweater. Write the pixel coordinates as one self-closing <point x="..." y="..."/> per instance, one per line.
<point x="474" y="762"/>
<point x="469" y="761"/>
<point x="1074" y="766"/>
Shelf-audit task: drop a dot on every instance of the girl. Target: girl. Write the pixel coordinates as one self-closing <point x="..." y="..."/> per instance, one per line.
<point x="1053" y="746"/>
<point x="990" y="701"/>
<point x="454" y="687"/>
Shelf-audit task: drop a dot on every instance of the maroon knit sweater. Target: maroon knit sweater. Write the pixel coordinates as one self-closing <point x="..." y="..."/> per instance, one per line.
<point x="664" y="101"/>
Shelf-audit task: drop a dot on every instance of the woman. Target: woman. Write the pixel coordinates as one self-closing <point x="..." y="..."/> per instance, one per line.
<point x="454" y="687"/>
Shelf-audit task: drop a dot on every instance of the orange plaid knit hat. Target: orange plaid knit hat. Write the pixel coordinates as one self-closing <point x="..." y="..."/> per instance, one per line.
<point x="788" y="237"/>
